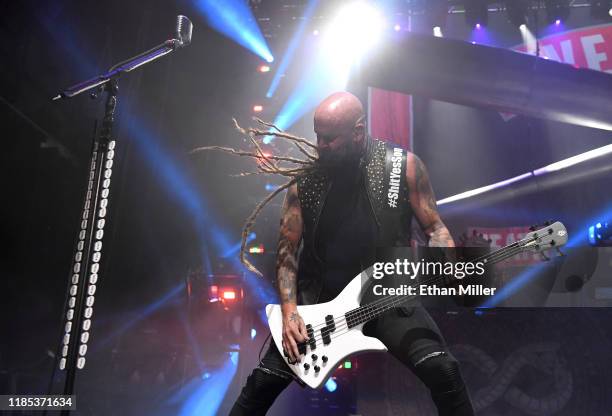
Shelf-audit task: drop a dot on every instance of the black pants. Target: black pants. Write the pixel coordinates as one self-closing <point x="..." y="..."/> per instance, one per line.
<point x="413" y="338"/>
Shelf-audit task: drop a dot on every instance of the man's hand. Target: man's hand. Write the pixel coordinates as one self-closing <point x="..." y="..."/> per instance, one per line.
<point x="294" y="331"/>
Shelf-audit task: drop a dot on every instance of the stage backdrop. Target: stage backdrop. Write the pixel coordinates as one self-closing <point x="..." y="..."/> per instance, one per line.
<point x="390" y="114"/>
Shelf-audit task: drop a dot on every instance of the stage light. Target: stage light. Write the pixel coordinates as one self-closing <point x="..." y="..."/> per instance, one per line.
<point x="315" y="32"/>
<point x="264" y="68"/>
<point x="253" y="333"/>
<point x="331" y="385"/>
<point x="517" y="11"/>
<point x="355" y="29"/>
<point x="352" y="33"/>
<point x="397" y="27"/>
<point x="234" y="19"/>
<point x="257" y="249"/>
<point x="257" y="108"/>
<point x="557" y="11"/>
<point x="436" y="12"/>
<point x="271" y="187"/>
<point x="437" y="31"/>
<point x="530" y="41"/>
<point x="228" y="295"/>
<point x="600" y="235"/>
<point x="292" y="47"/>
<point x="348" y="365"/>
<point x="476" y="13"/>
<point x="571" y="161"/>
<point x="601" y="9"/>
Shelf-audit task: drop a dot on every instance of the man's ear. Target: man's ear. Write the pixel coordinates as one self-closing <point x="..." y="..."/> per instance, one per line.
<point x="359" y="132"/>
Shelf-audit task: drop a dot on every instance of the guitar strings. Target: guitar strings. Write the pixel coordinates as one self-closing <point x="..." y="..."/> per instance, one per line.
<point x="493" y="257"/>
<point x="508" y="251"/>
<point x="390" y="301"/>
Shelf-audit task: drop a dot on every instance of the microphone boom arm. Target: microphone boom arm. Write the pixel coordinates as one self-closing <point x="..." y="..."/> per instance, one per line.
<point x="130" y="64"/>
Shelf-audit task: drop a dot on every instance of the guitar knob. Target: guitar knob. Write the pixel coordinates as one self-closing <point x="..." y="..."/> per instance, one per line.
<point x="306" y="366"/>
<point x="314" y="357"/>
<point x="324" y="358"/>
<point x="317" y="368"/>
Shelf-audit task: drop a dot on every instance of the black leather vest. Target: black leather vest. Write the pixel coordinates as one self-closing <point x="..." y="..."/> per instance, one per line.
<point x="384" y="168"/>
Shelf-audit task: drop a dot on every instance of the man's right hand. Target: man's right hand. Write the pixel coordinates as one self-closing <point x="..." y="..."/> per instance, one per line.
<point x="294" y="331"/>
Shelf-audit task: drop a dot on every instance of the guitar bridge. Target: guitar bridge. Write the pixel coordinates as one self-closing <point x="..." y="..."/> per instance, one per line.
<point x="330" y="326"/>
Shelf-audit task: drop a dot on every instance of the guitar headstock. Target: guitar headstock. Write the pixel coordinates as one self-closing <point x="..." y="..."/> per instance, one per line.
<point x="551" y="235"/>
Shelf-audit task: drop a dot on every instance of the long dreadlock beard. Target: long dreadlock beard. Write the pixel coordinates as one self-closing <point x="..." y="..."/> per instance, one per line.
<point x="289" y="167"/>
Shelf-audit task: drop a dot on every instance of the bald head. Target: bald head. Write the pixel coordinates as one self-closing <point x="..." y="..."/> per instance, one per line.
<point x="340" y="128"/>
<point x="340" y="111"/>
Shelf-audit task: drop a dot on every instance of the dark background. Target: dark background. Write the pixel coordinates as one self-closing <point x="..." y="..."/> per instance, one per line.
<point x="173" y="213"/>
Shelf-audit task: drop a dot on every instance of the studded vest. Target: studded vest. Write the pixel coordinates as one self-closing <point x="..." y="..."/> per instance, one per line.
<point x="384" y="168"/>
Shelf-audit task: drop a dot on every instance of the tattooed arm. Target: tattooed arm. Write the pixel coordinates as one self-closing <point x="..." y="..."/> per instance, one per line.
<point x="423" y="203"/>
<point x="294" y="330"/>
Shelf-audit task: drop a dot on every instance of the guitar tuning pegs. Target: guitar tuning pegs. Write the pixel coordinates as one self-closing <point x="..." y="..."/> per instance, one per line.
<point x="533" y="228"/>
<point x="547" y="223"/>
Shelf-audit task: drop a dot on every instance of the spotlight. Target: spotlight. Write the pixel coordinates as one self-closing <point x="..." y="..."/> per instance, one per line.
<point x="437" y="31"/>
<point x="264" y="68"/>
<point x="350" y="35"/>
<point x="517" y="11"/>
<point x="557" y="11"/>
<point x="397" y="27"/>
<point x="436" y="12"/>
<point x="331" y="385"/>
<point x="315" y="32"/>
<point x="257" y="108"/>
<point x="476" y="13"/>
<point x="600" y="235"/>
<point x="601" y="9"/>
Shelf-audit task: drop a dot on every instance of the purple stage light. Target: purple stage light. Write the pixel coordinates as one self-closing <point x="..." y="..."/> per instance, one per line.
<point x="397" y="28"/>
<point x="478" y="26"/>
<point x="558" y="22"/>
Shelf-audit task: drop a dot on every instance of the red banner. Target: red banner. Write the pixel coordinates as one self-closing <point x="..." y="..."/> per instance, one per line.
<point x="588" y="47"/>
<point x="390" y="116"/>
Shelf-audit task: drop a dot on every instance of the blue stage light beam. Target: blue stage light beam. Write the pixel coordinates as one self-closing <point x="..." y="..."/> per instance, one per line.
<point x="141" y="314"/>
<point x="205" y="395"/>
<point x="292" y="47"/>
<point x="356" y="29"/>
<point x="234" y="19"/>
<point x="236" y="247"/>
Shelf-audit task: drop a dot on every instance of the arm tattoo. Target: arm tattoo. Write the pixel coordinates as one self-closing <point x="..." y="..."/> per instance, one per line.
<point x="294" y="316"/>
<point x="286" y="257"/>
<point x="423" y="202"/>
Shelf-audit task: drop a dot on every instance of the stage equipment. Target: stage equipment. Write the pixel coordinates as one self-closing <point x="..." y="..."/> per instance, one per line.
<point x="85" y="268"/>
<point x="482" y="76"/>
<point x="601" y="9"/>
<point x="476" y="13"/>
<point x="517" y="11"/>
<point x="557" y="11"/>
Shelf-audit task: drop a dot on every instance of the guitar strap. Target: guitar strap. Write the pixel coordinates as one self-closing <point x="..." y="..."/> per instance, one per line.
<point x="395" y="210"/>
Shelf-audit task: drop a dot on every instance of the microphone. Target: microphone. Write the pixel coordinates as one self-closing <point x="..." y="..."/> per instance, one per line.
<point x="184" y="27"/>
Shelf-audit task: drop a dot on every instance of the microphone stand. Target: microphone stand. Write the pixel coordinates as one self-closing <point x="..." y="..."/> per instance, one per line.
<point x="78" y="308"/>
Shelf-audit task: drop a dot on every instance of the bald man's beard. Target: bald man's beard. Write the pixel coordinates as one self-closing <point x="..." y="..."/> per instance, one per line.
<point x="345" y="157"/>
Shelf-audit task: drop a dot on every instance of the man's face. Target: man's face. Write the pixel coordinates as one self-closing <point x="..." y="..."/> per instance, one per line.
<point x="336" y="144"/>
